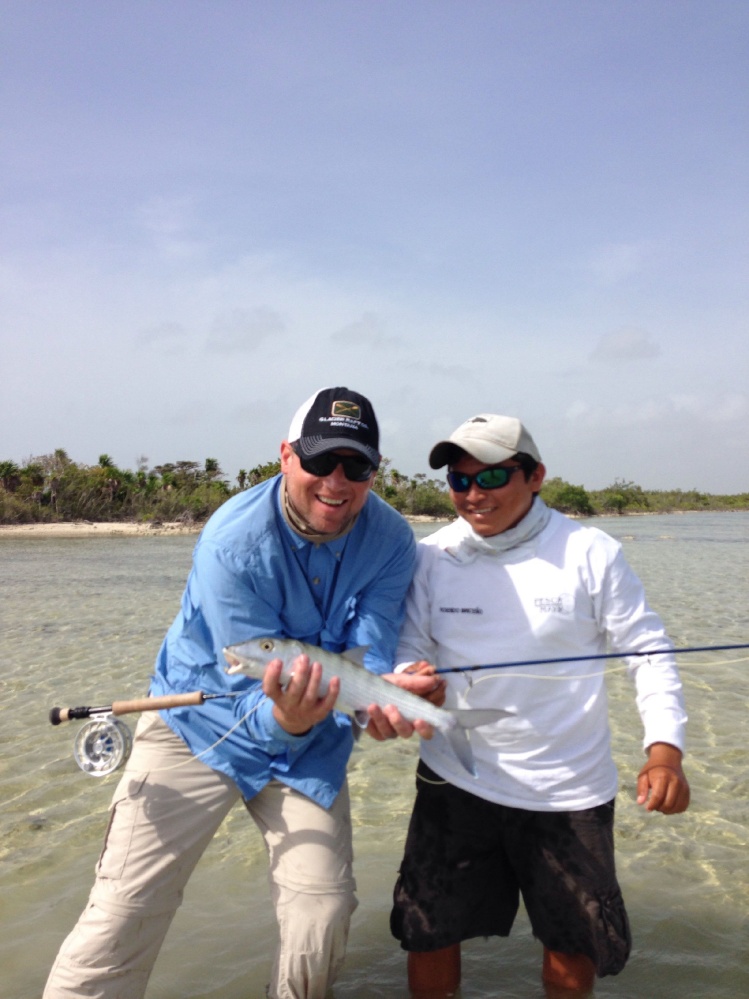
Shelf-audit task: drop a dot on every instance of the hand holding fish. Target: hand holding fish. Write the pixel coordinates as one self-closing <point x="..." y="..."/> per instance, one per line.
<point x="661" y="784"/>
<point x="355" y="690"/>
<point x="413" y="679"/>
<point x="300" y="704"/>
<point x="388" y="723"/>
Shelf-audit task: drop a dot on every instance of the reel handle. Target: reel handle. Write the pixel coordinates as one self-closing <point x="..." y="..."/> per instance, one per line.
<point x="58" y="715"/>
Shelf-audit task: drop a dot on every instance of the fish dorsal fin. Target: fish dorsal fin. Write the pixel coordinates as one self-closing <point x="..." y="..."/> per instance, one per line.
<point x="356" y="655"/>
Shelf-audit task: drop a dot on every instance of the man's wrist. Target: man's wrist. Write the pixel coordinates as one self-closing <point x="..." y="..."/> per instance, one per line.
<point x="288" y="727"/>
<point x="665" y="754"/>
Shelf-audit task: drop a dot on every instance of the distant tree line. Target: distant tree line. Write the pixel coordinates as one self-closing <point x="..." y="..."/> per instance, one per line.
<point x="52" y="488"/>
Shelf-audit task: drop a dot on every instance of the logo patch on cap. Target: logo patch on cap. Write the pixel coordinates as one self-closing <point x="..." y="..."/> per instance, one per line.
<point x="346" y="409"/>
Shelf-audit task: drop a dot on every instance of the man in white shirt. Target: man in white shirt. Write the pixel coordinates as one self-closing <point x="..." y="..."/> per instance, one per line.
<point x="512" y="580"/>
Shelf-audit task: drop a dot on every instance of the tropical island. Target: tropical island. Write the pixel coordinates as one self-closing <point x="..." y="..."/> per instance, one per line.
<point x="54" y="489"/>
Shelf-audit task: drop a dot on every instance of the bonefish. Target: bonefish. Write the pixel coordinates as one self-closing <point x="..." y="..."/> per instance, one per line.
<point x="360" y="688"/>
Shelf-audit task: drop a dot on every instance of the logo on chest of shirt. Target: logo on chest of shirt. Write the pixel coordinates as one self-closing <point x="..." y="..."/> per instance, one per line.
<point x="461" y="610"/>
<point x="562" y="604"/>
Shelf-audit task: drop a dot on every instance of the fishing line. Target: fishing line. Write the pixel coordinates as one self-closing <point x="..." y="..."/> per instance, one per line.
<point x="196" y="756"/>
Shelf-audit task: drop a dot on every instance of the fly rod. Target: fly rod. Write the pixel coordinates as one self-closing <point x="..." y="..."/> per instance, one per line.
<point x="601" y="655"/>
<point x="104" y="742"/>
<point x="58" y="715"/>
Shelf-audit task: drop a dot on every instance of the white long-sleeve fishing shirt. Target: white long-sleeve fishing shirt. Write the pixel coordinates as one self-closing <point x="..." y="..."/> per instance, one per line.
<point x="568" y="591"/>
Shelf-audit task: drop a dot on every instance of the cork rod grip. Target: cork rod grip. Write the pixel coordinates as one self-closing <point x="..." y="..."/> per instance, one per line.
<point x="58" y="715"/>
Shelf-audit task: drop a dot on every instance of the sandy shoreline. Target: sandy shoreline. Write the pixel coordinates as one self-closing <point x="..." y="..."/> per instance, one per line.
<point x="102" y="529"/>
<point x="90" y="529"/>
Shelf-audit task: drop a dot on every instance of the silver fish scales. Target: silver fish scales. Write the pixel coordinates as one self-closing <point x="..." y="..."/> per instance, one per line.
<point x="360" y="688"/>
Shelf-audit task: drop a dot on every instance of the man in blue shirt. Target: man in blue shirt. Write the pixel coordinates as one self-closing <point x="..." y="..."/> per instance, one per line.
<point x="313" y="555"/>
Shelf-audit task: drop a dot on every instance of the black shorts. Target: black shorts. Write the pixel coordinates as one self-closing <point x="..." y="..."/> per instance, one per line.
<point x="468" y="860"/>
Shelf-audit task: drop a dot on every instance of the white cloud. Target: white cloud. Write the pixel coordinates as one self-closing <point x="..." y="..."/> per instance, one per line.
<point x="169" y="223"/>
<point x="624" y="345"/>
<point x="369" y="331"/>
<point x="244" y="329"/>
<point x="169" y="336"/>
<point x="618" y="262"/>
<point x="701" y="409"/>
<point x="578" y="410"/>
<point x="442" y="371"/>
<point x="723" y="409"/>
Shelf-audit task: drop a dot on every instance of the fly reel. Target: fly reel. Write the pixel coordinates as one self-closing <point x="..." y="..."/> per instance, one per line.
<point x="104" y="742"/>
<point x="102" y="745"/>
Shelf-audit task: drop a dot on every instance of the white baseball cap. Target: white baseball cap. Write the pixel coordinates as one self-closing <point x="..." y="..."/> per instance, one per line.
<point x="487" y="437"/>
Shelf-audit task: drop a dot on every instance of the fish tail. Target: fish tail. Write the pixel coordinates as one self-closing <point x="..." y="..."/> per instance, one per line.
<point x="458" y="739"/>
<point x="476" y="717"/>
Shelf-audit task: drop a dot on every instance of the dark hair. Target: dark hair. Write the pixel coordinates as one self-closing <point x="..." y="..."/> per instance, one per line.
<point x="527" y="463"/>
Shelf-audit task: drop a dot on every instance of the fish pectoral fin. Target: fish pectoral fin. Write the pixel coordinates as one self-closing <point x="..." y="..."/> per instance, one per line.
<point x="361" y="717"/>
<point x="476" y="717"/>
<point x="359" y="722"/>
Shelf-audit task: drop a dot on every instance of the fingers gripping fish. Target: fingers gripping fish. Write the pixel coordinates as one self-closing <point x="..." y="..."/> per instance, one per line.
<point x="360" y="688"/>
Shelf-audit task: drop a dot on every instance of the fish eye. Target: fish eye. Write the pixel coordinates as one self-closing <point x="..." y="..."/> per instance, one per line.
<point x="266" y="645"/>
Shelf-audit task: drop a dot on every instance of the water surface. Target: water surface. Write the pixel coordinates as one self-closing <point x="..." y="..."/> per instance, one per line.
<point x="81" y="621"/>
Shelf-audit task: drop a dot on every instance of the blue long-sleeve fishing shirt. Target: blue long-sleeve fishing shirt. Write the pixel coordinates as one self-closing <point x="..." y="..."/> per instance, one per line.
<point x="252" y="575"/>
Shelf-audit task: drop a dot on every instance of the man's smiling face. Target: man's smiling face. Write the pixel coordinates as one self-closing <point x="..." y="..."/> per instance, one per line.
<point x="326" y="503"/>
<point x="491" y="511"/>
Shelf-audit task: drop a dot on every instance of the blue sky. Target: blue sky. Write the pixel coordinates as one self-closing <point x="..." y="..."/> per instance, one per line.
<point x="208" y="210"/>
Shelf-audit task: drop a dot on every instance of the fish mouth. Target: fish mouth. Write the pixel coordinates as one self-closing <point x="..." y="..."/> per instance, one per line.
<point x="237" y="665"/>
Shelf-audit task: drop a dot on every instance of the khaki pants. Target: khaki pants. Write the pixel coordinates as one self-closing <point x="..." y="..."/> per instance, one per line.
<point x="161" y="821"/>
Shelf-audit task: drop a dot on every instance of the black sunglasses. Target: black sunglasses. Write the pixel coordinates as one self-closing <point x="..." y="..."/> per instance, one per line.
<point x="355" y="468"/>
<point x="487" y="478"/>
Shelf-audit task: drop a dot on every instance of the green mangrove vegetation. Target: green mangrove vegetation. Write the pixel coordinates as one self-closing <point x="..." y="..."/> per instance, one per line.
<point x="54" y="488"/>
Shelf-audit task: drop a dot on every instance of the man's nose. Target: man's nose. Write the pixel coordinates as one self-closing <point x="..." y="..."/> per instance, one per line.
<point x="337" y="476"/>
<point x="475" y="490"/>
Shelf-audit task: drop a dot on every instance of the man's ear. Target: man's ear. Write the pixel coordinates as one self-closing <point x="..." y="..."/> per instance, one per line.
<point x="537" y="477"/>
<point x="286" y="455"/>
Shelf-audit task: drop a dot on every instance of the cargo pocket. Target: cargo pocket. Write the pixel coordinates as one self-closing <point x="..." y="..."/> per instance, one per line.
<point x="614" y="941"/>
<point x="124" y="813"/>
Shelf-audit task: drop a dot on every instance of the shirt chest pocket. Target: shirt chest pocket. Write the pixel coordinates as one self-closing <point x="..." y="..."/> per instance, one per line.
<point x="339" y="621"/>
